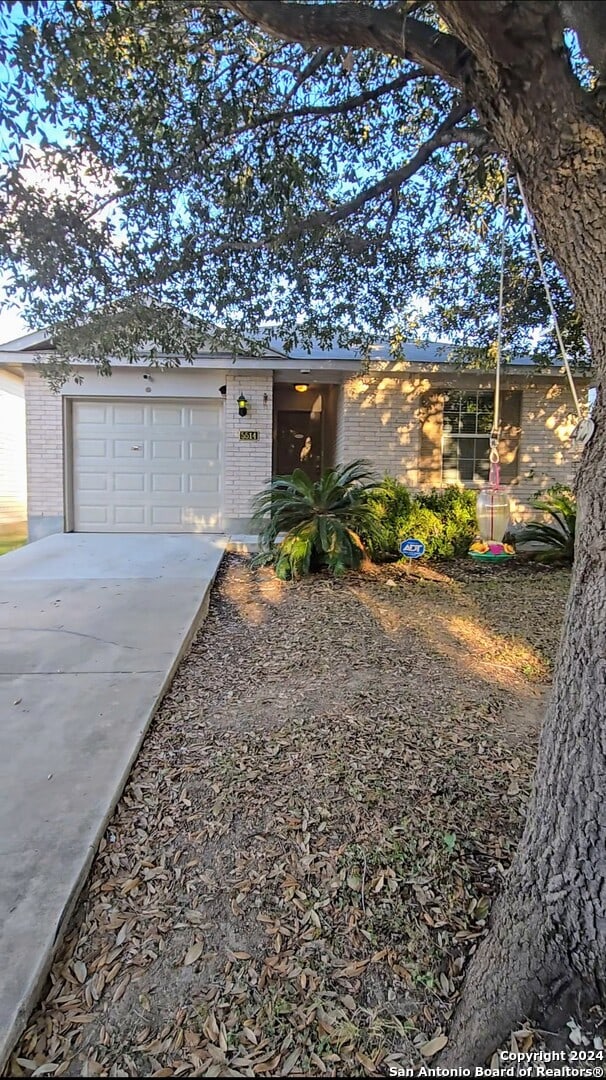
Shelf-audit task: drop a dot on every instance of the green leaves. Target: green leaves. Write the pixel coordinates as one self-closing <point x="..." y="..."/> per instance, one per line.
<point x="444" y="520"/>
<point x="551" y="543"/>
<point x="215" y="156"/>
<point x="321" y="520"/>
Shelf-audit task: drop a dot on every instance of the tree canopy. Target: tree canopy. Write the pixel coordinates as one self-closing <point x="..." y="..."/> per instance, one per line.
<point x="170" y="159"/>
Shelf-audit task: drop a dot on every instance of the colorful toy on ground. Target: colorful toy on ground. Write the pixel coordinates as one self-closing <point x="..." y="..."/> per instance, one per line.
<point x="480" y="549"/>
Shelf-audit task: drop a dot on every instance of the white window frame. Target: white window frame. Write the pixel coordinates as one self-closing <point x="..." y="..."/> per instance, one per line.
<point x="463" y="435"/>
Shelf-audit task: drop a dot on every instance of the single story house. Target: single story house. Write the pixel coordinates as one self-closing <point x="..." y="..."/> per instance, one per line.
<point x="185" y="449"/>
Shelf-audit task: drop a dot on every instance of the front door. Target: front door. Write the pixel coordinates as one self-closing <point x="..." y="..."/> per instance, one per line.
<point x="298" y="443"/>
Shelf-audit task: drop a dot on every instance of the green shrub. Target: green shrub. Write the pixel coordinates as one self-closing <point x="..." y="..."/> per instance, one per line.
<point x="555" y="539"/>
<point x="322" y="519"/>
<point x="391" y="504"/>
<point x="448" y="500"/>
<point x="456" y="509"/>
<point x="423" y="524"/>
<point x="444" y="520"/>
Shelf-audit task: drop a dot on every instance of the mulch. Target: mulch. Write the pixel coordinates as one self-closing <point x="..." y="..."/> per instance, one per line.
<point x="310" y="842"/>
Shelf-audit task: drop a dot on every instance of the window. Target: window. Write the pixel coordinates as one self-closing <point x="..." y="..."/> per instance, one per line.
<point x="468" y="419"/>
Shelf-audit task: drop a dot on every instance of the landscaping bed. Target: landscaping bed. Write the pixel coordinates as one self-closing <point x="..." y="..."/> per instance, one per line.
<point x="315" y="829"/>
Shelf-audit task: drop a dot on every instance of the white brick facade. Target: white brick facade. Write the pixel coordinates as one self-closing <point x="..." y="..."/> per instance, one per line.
<point x="44" y="431"/>
<point x="546" y="454"/>
<point x="248" y="465"/>
<point x="378" y="419"/>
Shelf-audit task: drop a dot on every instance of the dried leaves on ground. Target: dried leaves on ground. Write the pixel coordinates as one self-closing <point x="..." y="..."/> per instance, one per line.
<point x="314" y="832"/>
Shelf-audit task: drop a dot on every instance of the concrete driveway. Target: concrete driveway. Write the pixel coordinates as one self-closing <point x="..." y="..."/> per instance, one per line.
<point x="92" y="628"/>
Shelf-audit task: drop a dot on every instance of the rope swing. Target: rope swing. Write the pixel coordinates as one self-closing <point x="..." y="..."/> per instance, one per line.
<point x="493" y="510"/>
<point x="585" y="426"/>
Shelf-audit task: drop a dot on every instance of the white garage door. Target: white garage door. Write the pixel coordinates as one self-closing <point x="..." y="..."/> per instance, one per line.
<point x="147" y="466"/>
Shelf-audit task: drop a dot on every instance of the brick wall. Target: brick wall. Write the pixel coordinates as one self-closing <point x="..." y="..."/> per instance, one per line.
<point x="378" y="419"/>
<point x="247" y="464"/>
<point x="546" y="455"/>
<point x="44" y="432"/>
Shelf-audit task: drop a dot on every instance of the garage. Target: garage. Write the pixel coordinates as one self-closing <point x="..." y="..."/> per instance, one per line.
<point x="147" y="466"/>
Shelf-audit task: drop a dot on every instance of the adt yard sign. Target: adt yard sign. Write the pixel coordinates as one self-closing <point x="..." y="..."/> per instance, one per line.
<point x="412" y="549"/>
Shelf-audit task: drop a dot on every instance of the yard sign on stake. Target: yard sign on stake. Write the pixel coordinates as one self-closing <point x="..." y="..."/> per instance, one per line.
<point x="412" y="549"/>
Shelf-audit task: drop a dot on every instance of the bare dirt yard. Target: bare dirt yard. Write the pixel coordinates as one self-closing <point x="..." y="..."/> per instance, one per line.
<point x="309" y="844"/>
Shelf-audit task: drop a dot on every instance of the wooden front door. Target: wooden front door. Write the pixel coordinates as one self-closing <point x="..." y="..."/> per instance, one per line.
<point x="298" y="443"/>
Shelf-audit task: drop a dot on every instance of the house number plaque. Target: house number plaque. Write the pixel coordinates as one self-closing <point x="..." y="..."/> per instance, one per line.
<point x="249" y="436"/>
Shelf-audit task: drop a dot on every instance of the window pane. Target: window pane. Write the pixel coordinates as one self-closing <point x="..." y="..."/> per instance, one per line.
<point x="466" y="470"/>
<point x="468" y="423"/>
<point x="482" y="458"/>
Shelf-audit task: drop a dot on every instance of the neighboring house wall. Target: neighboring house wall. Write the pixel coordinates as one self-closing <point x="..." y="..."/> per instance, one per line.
<point x="44" y="425"/>
<point x="391" y="420"/>
<point x="13" y="474"/>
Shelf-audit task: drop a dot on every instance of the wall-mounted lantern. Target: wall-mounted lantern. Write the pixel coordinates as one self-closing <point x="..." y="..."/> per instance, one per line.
<point x="242" y="405"/>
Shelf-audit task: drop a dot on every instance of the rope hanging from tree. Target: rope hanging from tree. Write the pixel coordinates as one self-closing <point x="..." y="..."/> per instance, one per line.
<point x="495" y="468"/>
<point x="585" y="425"/>
<point x="493" y="503"/>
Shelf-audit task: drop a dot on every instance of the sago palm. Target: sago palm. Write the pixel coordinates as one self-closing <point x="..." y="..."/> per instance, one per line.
<point x="321" y="519"/>
<point x="556" y="541"/>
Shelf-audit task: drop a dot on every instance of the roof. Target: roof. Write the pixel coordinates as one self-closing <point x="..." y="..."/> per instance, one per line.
<point x="27" y="348"/>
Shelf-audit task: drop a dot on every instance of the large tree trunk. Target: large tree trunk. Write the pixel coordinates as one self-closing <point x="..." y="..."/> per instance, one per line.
<point x="547" y="943"/>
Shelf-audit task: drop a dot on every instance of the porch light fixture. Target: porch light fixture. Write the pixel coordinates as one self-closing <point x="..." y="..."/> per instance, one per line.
<point x="301" y="387"/>
<point x="242" y="405"/>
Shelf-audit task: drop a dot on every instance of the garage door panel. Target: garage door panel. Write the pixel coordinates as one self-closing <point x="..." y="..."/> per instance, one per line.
<point x="122" y="414"/>
<point x="134" y="481"/>
<point x="147" y="467"/>
<point x="167" y="415"/>
<point x="169" y="481"/>
<point x="204" y="451"/>
<point x="203" y="484"/>
<point x="167" y="515"/>
<point x="94" y="481"/>
<point x="126" y="450"/>
<point x="92" y="448"/>
<point x="94" y="515"/>
<point x="167" y="449"/>
<point x="207" y="415"/>
<point x="200" y="521"/>
<point x="129" y="515"/>
<point x="94" y="414"/>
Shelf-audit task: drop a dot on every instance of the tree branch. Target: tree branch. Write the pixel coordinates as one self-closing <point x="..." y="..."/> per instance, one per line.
<point x="318" y="61"/>
<point x="446" y="134"/>
<point x="386" y="30"/>
<point x="348" y="105"/>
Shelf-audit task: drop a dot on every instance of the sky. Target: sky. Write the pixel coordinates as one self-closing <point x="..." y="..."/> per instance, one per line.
<point x="12" y="325"/>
